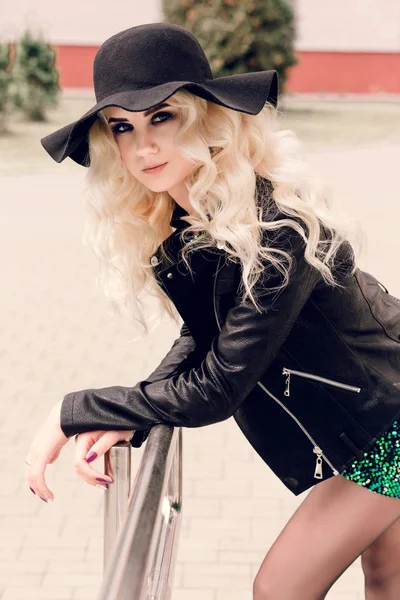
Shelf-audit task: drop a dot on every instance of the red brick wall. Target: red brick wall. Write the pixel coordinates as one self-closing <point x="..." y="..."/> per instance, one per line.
<point x="332" y="72"/>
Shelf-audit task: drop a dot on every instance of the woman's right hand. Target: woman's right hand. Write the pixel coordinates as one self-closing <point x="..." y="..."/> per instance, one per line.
<point x="90" y="446"/>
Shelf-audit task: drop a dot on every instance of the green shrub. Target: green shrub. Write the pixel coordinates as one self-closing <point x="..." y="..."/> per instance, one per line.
<point x="37" y="78"/>
<point x="239" y="36"/>
<point x="6" y="78"/>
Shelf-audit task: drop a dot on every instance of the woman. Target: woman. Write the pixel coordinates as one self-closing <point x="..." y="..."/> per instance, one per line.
<point x="197" y="197"/>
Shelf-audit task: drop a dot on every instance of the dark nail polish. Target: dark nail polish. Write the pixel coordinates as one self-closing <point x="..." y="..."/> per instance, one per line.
<point x="104" y="480"/>
<point x="33" y="491"/>
<point x="91" y="456"/>
<point x="44" y="499"/>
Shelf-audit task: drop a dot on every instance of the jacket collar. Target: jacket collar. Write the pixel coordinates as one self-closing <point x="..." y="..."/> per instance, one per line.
<point x="176" y="220"/>
<point x="227" y="271"/>
<point x="173" y="243"/>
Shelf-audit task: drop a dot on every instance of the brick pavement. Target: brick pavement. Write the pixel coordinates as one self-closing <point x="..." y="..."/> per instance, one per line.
<point x="58" y="337"/>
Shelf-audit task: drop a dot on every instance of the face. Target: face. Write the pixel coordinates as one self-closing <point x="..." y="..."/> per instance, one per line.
<point x="147" y="139"/>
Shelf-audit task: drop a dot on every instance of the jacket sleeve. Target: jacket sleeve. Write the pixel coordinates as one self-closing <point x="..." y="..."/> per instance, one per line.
<point x="180" y="357"/>
<point x="213" y="390"/>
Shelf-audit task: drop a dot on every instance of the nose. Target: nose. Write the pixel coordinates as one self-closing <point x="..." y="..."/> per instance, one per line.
<point x="145" y="144"/>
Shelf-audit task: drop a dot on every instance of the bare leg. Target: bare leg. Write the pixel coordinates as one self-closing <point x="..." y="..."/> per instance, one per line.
<point x="381" y="565"/>
<point x="336" y="523"/>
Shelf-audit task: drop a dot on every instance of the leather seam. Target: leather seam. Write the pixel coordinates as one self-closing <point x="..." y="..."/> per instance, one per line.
<point x="372" y="314"/>
<point x="356" y="357"/>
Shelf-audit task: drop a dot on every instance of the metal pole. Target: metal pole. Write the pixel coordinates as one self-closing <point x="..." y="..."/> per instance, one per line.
<point x="161" y="575"/>
<point x="117" y="464"/>
<point x="140" y="565"/>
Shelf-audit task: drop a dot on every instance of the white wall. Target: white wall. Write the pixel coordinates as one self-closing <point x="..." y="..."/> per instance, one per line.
<point x="348" y="25"/>
<point x="322" y="25"/>
<point x="77" y="22"/>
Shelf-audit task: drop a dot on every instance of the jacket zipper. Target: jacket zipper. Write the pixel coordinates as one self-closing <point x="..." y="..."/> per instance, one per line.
<point x="316" y="449"/>
<point x="289" y="372"/>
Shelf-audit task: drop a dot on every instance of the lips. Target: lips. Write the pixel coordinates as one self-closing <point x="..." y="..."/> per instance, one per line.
<point x="153" y="167"/>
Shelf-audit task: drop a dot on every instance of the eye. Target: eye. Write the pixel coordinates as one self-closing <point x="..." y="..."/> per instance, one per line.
<point x="165" y="114"/>
<point x="116" y="128"/>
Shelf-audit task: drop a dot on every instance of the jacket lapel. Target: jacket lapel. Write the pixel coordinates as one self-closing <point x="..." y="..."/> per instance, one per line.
<point x="226" y="276"/>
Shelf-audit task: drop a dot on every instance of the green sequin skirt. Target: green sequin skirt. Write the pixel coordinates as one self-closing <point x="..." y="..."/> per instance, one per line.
<point x="379" y="469"/>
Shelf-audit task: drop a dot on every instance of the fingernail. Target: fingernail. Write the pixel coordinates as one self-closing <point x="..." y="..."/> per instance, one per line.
<point x="104" y="480"/>
<point x="33" y="491"/>
<point x="91" y="456"/>
<point x="44" y="499"/>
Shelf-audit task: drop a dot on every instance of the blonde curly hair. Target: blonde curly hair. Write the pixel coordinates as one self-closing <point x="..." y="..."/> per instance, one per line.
<point x="246" y="172"/>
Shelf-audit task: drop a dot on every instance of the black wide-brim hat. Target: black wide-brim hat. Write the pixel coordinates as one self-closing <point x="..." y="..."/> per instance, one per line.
<point x="141" y="67"/>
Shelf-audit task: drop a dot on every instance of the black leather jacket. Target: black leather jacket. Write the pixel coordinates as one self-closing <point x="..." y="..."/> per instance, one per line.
<point x="315" y="374"/>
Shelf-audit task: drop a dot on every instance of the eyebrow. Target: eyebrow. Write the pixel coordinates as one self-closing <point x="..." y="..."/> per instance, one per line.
<point x="146" y="114"/>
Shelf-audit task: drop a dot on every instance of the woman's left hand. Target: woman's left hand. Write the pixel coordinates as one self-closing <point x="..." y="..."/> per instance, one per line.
<point x="44" y="450"/>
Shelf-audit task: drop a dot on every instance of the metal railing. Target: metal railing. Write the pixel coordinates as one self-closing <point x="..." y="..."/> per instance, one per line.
<point x="141" y="526"/>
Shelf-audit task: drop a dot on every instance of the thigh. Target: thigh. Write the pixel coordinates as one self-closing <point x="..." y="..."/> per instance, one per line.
<point x="335" y="523"/>
<point x="381" y="560"/>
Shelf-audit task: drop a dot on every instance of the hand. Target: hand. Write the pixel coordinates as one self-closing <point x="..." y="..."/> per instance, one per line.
<point x="90" y="446"/>
<point x="44" y="450"/>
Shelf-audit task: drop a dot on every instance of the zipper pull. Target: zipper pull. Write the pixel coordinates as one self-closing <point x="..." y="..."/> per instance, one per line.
<point x="287" y="373"/>
<point x="318" y="466"/>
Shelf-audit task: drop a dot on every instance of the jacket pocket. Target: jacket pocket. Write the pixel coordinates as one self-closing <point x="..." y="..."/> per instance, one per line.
<point x="324" y="380"/>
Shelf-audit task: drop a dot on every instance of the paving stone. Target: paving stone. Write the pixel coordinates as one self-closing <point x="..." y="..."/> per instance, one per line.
<point x="185" y="594"/>
<point x="65" y="554"/>
<point x="7" y="553"/>
<point x="198" y="555"/>
<point x="74" y="579"/>
<point x="16" y="566"/>
<point x="247" y="556"/>
<point x="25" y="579"/>
<point x="29" y="593"/>
<point x="234" y="594"/>
<point x="200" y="507"/>
<point x="86" y="593"/>
<point x="60" y="567"/>
<point x="215" y="582"/>
<point x="208" y="568"/>
<point x="34" y="541"/>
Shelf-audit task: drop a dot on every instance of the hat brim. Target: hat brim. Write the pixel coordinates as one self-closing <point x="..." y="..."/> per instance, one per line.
<point x="244" y="92"/>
